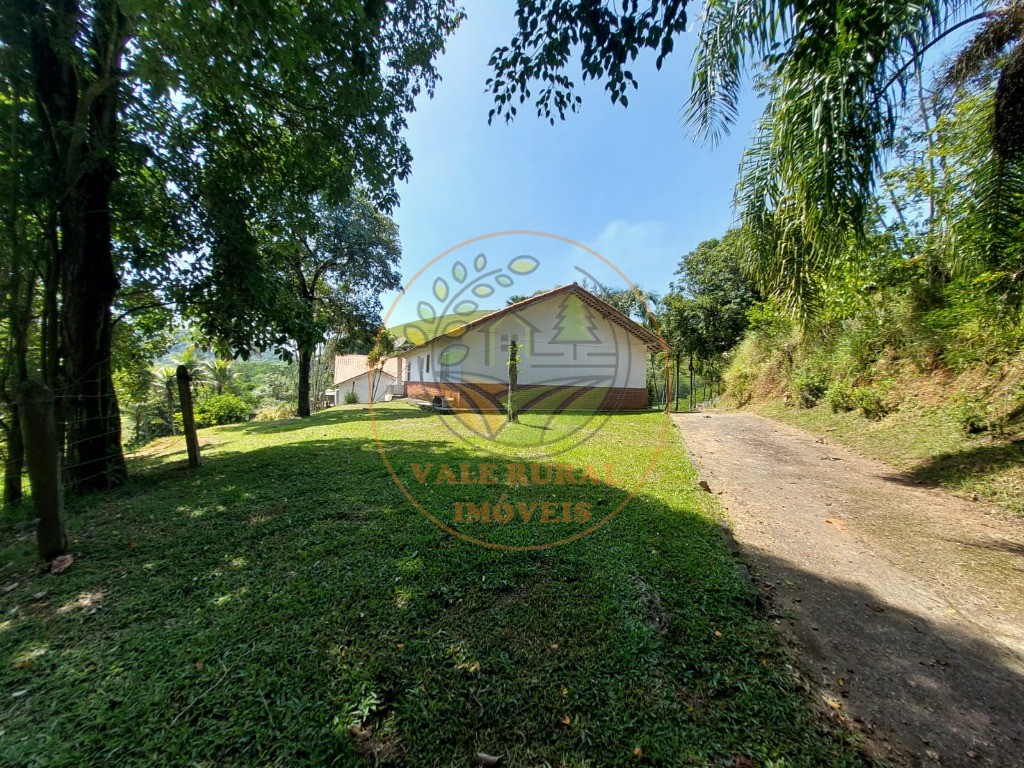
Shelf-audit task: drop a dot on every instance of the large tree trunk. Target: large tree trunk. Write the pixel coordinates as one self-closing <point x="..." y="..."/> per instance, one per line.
<point x="95" y="459"/>
<point x="78" y="105"/>
<point x="305" y="363"/>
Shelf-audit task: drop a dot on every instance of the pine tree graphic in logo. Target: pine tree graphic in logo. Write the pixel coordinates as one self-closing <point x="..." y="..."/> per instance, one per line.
<point x="574" y="324"/>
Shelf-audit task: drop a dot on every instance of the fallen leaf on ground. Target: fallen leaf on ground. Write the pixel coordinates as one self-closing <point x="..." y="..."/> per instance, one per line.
<point x="565" y="720"/>
<point x="875" y="608"/>
<point x="486" y="760"/>
<point x="840" y="525"/>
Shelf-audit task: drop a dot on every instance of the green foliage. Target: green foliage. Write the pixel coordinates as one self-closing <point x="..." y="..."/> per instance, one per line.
<point x="351" y="397"/>
<point x="871" y="400"/>
<point x="266" y="382"/>
<point x="214" y="410"/>
<point x="705" y="313"/>
<point x="839" y="397"/>
<point x="274" y="412"/>
<point x="770" y="323"/>
<point x="809" y="384"/>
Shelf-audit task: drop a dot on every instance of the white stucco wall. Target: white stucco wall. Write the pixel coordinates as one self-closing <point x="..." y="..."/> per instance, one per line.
<point x="606" y="355"/>
<point x="361" y="386"/>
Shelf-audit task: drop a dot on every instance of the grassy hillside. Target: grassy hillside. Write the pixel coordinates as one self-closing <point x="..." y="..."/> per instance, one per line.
<point x="948" y="415"/>
<point x="287" y="606"/>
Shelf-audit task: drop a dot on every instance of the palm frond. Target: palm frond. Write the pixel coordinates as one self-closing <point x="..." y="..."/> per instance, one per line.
<point x="1003" y="28"/>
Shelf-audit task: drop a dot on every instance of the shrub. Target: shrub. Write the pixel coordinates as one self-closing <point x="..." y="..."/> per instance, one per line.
<point x="839" y="397"/>
<point x="769" y="322"/>
<point x="971" y="414"/>
<point x="809" y="384"/>
<point x="870" y="400"/>
<point x="351" y="397"/>
<point x="275" y="411"/>
<point x="221" y="409"/>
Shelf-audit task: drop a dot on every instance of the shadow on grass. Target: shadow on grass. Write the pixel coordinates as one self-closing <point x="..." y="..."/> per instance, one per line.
<point x="920" y="685"/>
<point x="331" y="417"/>
<point x="953" y="468"/>
<point x="285" y="605"/>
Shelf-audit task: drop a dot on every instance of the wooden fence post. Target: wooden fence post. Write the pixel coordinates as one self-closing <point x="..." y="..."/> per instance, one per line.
<point x="42" y="457"/>
<point x="188" y="421"/>
<point x="513" y="380"/>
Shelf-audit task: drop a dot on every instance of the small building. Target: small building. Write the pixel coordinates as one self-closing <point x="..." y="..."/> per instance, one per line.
<point x="352" y="374"/>
<point x="576" y="352"/>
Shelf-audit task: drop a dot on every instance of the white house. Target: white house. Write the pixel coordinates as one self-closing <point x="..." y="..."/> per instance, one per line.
<point x="352" y="374"/>
<point x="576" y="352"/>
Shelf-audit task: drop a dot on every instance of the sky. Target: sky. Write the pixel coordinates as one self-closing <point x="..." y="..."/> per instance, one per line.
<point x="629" y="183"/>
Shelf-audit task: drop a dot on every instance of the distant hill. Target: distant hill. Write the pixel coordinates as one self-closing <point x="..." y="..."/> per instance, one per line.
<point x="419" y="331"/>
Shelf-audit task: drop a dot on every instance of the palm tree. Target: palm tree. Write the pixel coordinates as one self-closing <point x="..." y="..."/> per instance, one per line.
<point x="836" y="78"/>
<point x="189" y="357"/>
<point x="834" y="73"/>
<point x="219" y="373"/>
<point x="989" y="233"/>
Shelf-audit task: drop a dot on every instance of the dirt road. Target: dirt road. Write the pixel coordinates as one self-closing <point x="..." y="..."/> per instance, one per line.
<point x="904" y="604"/>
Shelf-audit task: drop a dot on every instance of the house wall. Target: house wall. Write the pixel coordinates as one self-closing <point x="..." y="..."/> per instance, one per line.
<point x="604" y="357"/>
<point x="361" y="386"/>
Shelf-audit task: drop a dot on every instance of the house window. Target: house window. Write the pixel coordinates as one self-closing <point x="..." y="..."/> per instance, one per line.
<point x="428" y="364"/>
<point x="408" y="370"/>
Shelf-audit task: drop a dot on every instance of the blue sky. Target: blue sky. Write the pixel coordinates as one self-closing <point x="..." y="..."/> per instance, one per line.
<point x="629" y="183"/>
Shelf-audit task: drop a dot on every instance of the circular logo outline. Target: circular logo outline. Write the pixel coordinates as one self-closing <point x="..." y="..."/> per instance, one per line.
<point x="631" y="493"/>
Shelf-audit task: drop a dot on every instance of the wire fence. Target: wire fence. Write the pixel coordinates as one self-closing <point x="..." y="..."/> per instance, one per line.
<point x="74" y="430"/>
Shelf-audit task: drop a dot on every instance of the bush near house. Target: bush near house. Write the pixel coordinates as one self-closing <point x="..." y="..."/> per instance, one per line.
<point x="214" y="410"/>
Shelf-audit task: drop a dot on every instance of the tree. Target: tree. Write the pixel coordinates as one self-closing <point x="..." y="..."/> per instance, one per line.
<point x="317" y="269"/>
<point x="718" y="293"/>
<point x="25" y="234"/>
<point x="220" y="374"/>
<point x="705" y="313"/>
<point x="835" y="77"/>
<point x="201" y="106"/>
<point x="384" y="349"/>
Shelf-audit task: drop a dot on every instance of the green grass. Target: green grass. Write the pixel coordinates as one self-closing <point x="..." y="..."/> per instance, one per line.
<point x="288" y="606"/>
<point x="929" y="444"/>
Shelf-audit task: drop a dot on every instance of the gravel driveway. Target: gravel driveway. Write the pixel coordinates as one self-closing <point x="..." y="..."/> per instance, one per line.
<point x="904" y="604"/>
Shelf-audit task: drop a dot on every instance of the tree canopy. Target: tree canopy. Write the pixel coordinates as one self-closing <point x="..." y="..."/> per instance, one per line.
<point x="153" y="142"/>
<point x="836" y="76"/>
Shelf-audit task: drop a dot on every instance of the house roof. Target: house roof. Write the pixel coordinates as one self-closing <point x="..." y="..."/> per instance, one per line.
<point x="419" y="331"/>
<point x="349" y="366"/>
<point x="602" y="307"/>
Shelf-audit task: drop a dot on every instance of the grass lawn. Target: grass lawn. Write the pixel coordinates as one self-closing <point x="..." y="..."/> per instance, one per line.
<point x="287" y="605"/>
